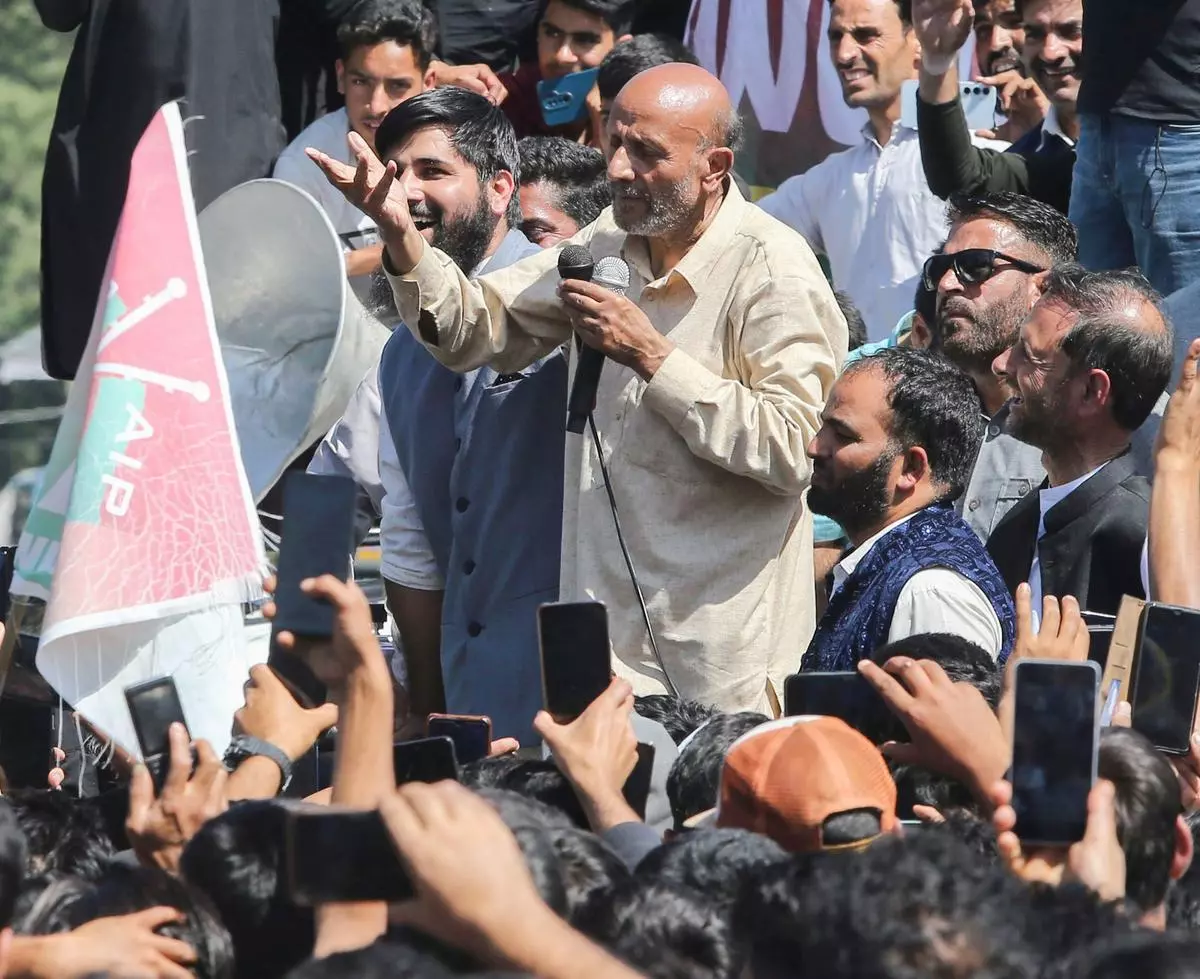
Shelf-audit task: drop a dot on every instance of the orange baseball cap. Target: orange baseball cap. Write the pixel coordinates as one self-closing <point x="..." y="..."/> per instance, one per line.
<point x="786" y="778"/>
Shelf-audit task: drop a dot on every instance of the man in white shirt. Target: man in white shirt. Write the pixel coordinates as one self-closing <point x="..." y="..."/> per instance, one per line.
<point x="899" y="433"/>
<point x="386" y="49"/>
<point x="869" y="208"/>
<point x="1091" y="360"/>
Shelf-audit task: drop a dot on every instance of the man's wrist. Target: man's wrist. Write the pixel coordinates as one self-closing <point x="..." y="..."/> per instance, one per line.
<point x="937" y="65"/>
<point x="402" y="251"/>
<point x="649" y="361"/>
<point x="605" y="810"/>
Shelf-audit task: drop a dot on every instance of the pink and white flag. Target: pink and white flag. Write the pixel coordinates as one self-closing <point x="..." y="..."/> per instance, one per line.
<point x="144" y="540"/>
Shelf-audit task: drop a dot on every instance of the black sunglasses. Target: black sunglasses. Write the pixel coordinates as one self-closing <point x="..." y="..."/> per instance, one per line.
<point x="971" y="265"/>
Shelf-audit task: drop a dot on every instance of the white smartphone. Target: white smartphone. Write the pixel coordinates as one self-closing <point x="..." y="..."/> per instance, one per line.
<point x="980" y="105"/>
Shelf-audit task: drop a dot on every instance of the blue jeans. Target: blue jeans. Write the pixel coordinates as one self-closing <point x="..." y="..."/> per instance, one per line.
<point x="1136" y="198"/>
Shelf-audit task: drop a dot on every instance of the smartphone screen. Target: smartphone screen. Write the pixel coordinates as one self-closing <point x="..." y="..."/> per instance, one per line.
<point x="1055" y="740"/>
<point x="576" y="660"/>
<point x="847" y="696"/>
<point x="424" y="760"/>
<point x="472" y="736"/>
<point x="636" y="789"/>
<point x="1168" y="677"/>
<point x="317" y="539"/>
<point x="342" y="855"/>
<point x="154" y="706"/>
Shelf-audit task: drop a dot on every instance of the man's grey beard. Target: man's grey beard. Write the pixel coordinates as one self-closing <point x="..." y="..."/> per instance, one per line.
<point x="668" y="212"/>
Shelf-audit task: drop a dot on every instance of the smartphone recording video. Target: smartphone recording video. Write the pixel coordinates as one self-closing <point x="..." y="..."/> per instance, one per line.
<point x="337" y="855"/>
<point x="847" y="696"/>
<point x="425" y="760"/>
<point x="576" y="659"/>
<point x="1055" y="742"/>
<point x="1168" y="677"/>
<point x="153" y="707"/>
<point x="471" y="735"/>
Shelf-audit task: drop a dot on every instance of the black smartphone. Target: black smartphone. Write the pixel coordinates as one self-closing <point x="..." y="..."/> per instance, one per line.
<point x="336" y="855"/>
<point x="1168" y="676"/>
<point x="576" y="659"/>
<point x="7" y="559"/>
<point x="847" y="696"/>
<point x="424" y="760"/>
<point x="1055" y="742"/>
<point x="154" y="706"/>
<point x="472" y="735"/>
<point x="636" y="789"/>
<point x="317" y="538"/>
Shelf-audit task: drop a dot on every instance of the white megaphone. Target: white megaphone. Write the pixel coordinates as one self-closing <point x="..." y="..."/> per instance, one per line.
<point x="295" y="340"/>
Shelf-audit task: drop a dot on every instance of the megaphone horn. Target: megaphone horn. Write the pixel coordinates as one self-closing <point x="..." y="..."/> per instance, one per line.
<point x="295" y="339"/>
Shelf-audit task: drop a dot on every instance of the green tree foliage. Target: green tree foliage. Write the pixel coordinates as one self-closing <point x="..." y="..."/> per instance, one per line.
<point x="32" y="61"/>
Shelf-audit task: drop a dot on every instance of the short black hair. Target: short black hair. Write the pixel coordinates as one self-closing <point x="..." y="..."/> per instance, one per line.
<point x="1147" y="804"/>
<point x="962" y="660"/>
<point x="550" y="797"/>
<point x="577" y="173"/>
<point x="63" y="834"/>
<point x="680" y="717"/>
<point x="12" y="863"/>
<point x="407" y="22"/>
<point x="617" y="14"/>
<point x="716" y="862"/>
<point x="935" y="406"/>
<point x="903" y="7"/>
<point x="695" y="776"/>
<point x="237" y="859"/>
<point x="479" y="132"/>
<point x="1041" y="225"/>
<point x="382" y="959"/>
<point x="1138" y="362"/>
<point x="1150" y="954"/>
<point x="588" y="865"/>
<point x="664" y="930"/>
<point x="640" y="53"/>
<point x="855" y="324"/>
<point x="126" y="889"/>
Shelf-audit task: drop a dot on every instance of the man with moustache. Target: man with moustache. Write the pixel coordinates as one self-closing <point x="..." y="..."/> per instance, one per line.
<point x="987" y="278"/>
<point x="1040" y="164"/>
<point x="893" y="452"/>
<point x="869" y="208"/>
<point x="1091" y="360"/>
<point x="999" y="37"/>
<point x="424" y="440"/>
<point x="721" y="356"/>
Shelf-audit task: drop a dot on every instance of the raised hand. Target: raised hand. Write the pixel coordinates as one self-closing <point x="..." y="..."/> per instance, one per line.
<point x="372" y="187"/>
<point x="1178" y="445"/>
<point x="942" y="28"/>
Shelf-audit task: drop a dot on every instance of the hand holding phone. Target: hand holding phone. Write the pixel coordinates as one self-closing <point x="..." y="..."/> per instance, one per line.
<point x="153" y="707"/>
<point x="847" y="696"/>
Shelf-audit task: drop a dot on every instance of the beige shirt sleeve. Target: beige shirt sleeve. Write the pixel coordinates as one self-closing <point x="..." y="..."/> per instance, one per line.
<point x="506" y="320"/>
<point x="791" y="342"/>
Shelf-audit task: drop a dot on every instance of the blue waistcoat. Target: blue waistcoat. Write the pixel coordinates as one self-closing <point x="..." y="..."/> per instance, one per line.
<point x="483" y="455"/>
<point x="857" y="620"/>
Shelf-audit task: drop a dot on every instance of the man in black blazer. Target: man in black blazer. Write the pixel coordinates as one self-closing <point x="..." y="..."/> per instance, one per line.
<point x="1091" y="360"/>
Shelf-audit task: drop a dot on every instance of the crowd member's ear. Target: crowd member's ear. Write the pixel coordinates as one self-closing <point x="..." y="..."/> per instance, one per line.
<point x="718" y="167"/>
<point x="1184" y="849"/>
<point x="500" y="190"/>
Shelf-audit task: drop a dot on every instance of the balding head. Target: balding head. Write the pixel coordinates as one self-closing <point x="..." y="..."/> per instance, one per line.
<point x="1113" y="322"/>
<point x="671" y="136"/>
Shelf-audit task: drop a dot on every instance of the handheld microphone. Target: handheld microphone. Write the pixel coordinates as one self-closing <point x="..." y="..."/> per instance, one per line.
<point x="613" y="274"/>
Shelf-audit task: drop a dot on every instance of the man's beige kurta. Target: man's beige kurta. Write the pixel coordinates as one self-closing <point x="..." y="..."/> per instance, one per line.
<point x="707" y="460"/>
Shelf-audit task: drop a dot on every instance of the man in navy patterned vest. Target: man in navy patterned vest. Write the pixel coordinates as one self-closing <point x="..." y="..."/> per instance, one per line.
<point x="900" y="432"/>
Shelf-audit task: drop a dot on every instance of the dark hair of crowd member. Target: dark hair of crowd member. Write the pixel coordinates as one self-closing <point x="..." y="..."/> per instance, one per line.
<point x="678" y="716"/>
<point x="934" y="406"/>
<point x="695" y="776"/>
<point x="577" y="174"/>
<point x="640" y="53"/>
<point x="406" y="22"/>
<point x="1041" y="225"/>
<point x="479" y="132"/>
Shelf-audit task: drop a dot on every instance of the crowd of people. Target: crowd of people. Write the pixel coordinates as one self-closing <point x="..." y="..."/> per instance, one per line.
<point x="919" y="414"/>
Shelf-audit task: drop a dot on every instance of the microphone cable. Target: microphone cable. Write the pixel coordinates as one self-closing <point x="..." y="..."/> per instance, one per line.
<point x="637" y="587"/>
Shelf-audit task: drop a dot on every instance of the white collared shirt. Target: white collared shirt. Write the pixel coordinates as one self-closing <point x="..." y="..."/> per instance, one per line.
<point x="1052" y="127"/>
<point x="1047" y="498"/>
<point x="869" y="209"/>
<point x="933" y="600"/>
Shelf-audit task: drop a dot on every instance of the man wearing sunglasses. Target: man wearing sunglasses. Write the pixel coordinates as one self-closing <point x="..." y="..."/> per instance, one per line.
<point x="987" y="279"/>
